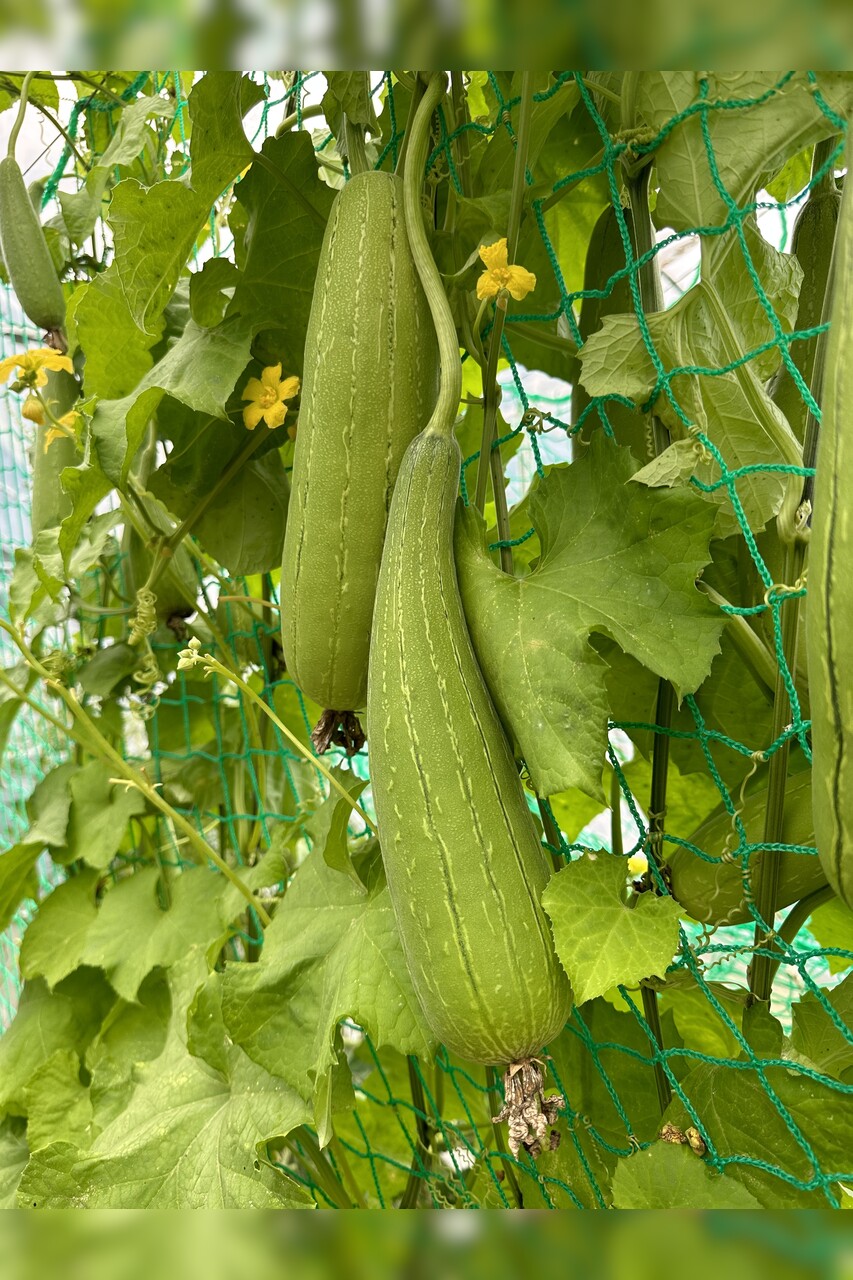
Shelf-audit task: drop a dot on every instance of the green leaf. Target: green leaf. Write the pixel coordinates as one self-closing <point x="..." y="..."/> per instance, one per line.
<point x="57" y="1103"/>
<point x="668" y="1176"/>
<point x="14" y="1154"/>
<point x="133" y="933"/>
<point x="243" y="528"/>
<point x="331" y="952"/>
<point x="349" y="94"/>
<point x="108" y="667"/>
<point x="746" y="1129"/>
<point x="100" y="812"/>
<point x="602" y="942"/>
<point x="65" y="1018"/>
<point x="792" y="177"/>
<point x="43" y="91"/>
<point x="23" y="678"/>
<point x="327" y="826"/>
<point x="49" y="806"/>
<point x="131" y="1033"/>
<point x="81" y="209"/>
<point x="219" y="148"/>
<point x="614" y="560"/>
<point x="211" y="290"/>
<point x="699" y="1025"/>
<point x="55" y="939"/>
<point x="816" y="1035"/>
<point x="832" y="926"/>
<point x="287" y="207"/>
<point x="498" y="159"/>
<point x="187" y="1138"/>
<point x="749" y="146"/>
<point x="116" y="349"/>
<point x="17" y="879"/>
<point x="200" y="371"/>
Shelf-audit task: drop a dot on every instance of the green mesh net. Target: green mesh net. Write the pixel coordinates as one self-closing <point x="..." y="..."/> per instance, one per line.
<point x="405" y="1112"/>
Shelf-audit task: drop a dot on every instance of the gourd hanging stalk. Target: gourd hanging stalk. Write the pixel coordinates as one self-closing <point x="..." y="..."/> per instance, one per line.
<point x="464" y="864"/>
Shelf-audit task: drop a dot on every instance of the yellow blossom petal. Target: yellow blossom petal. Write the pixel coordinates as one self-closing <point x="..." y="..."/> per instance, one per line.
<point x="494" y="256"/>
<point x="276" y="415"/>
<point x="7" y="366"/>
<point x="53" y="433"/>
<point x="30" y="365"/>
<point x="271" y="376"/>
<point x="638" y="864"/>
<point x="70" y="420"/>
<point x="252" y="415"/>
<point x="253" y="390"/>
<point x="487" y="286"/>
<point x="520" y="282"/>
<point x="288" y="389"/>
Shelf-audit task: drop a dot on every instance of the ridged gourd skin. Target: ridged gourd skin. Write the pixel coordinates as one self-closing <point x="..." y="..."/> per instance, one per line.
<point x="370" y="383"/>
<point x="829" y="613"/>
<point x="26" y="255"/>
<point x="465" y="867"/>
<point x="50" y="503"/>
<point x="713" y="892"/>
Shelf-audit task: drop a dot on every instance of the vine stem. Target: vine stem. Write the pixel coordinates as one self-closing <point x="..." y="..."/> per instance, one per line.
<point x="326" y="1175"/>
<point x="797" y="917"/>
<point x="490" y="460"/>
<point x="762" y="969"/>
<point x="213" y="664"/>
<point x="91" y="738"/>
<point x="450" y="387"/>
<point x="19" y="118"/>
<point x="422" y="1155"/>
<point x="651" y="296"/>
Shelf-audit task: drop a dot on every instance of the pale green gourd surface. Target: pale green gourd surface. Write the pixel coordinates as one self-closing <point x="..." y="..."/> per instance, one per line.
<point x="50" y="503"/>
<point x="829" y="617"/>
<point x="464" y="863"/>
<point x="370" y="383"/>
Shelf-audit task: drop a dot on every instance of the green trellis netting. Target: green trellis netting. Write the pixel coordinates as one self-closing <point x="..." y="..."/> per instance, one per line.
<point x="399" y="1104"/>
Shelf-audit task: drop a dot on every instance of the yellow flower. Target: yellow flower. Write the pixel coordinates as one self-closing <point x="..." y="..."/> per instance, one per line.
<point x="31" y="366"/>
<point x="498" y="275"/>
<point x="638" y="864"/>
<point x="33" y="410"/>
<point x="267" y="395"/>
<point x="69" y="421"/>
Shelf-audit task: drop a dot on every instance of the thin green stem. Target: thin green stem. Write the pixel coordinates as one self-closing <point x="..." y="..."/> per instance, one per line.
<point x="307" y="113"/>
<point x="794" y="921"/>
<point x="326" y="1176"/>
<point x="450" y="387"/>
<point x="651" y="297"/>
<point x="617" y="844"/>
<point x="766" y="887"/>
<point x="225" y="479"/>
<point x="552" y="834"/>
<point x="496" y="1103"/>
<point x="91" y="737"/>
<point x="337" y="1149"/>
<point x="212" y="664"/>
<point x="19" y="118"/>
<point x="754" y="654"/>
<point x="490" y="460"/>
<point x="355" y="145"/>
<point x="422" y="1155"/>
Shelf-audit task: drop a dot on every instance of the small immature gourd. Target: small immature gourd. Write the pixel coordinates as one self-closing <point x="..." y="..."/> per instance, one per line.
<point x="29" y="265"/>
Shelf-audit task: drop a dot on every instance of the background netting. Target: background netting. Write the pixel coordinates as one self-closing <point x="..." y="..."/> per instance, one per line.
<point x="226" y="766"/>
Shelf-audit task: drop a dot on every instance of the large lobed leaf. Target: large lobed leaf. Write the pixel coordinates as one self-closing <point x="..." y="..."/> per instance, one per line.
<point x="616" y="558"/>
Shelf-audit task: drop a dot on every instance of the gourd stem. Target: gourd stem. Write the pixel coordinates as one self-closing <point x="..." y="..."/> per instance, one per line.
<point x="450" y="386"/>
<point x="490" y="460"/>
<point x="752" y="651"/>
<point x="651" y="298"/>
<point x="326" y="1176"/>
<point x="812" y="428"/>
<point x="356" y="150"/>
<point x="552" y="834"/>
<point x="19" y="118"/>
<point x="822" y="152"/>
<point x="797" y="917"/>
<point x="417" y="94"/>
<point x="766" y="890"/>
